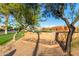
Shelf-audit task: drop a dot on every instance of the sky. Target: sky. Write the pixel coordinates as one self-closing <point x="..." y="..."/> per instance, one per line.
<point x="11" y="21"/>
<point x="51" y="21"/>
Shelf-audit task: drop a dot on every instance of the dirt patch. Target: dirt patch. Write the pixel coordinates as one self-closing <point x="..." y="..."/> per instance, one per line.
<point x="45" y="38"/>
<point x="26" y="48"/>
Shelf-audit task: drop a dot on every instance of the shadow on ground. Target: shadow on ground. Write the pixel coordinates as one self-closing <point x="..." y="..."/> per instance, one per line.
<point x="11" y="53"/>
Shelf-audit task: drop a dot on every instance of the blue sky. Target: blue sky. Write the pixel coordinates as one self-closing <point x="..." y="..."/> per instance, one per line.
<point x="51" y="21"/>
<point x="11" y="20"/>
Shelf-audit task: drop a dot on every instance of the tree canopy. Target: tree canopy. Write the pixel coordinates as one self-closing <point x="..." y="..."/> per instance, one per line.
<point x="58" y="10"/>
<point x="24" y="14"/>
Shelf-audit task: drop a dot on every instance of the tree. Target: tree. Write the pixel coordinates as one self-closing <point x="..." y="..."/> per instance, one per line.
<point x="26" y="14"/>
<point x="0" y="19"/>
<point x="4" y="9"/>
<point x="21" y="13"/>
<point x="57" y="10"/>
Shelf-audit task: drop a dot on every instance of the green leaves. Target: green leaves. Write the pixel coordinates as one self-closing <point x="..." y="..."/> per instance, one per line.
<point x="4" y="9"/>
<point x="24" y="14"/>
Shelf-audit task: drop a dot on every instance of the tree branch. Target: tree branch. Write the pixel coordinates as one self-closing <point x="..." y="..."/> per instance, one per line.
<point x="76" y="19"/>
<point x="66" y="21"/>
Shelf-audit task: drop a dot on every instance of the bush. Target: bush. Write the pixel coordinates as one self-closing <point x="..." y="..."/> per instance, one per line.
<point x="75" y="43"/>
<point x="19" y="35"/>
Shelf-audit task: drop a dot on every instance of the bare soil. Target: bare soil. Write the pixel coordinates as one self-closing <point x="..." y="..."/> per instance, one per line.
<point x="26" y="46"/>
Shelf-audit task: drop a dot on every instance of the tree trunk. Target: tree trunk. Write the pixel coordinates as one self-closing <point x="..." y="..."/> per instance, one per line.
<point x="6" y="23"/>
<point x="61" y="44"/>
<point x="69" y="40"/>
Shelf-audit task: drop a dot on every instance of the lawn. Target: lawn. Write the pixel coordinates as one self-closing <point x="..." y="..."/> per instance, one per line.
<point x="4" y="38"/>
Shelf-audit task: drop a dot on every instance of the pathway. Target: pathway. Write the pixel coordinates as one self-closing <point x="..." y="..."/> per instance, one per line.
<point x="26" y="48"/>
